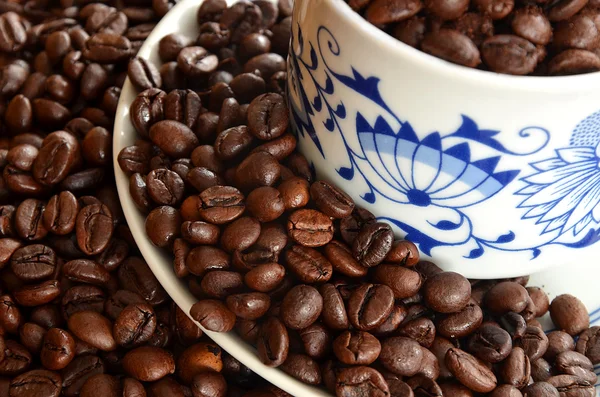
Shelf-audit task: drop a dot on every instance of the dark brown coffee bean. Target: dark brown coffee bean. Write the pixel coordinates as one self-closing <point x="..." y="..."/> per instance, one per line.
<point x="534" y="342"/>
<point x="135" y="325"/>
<point x="310" y="228"/>
<point x="588" y="344"/>
<point x="58" y="349"/>
<point x="490" y="343"/>
<point x="213" y="315"/>
<point x="370" y="305"/>
<point x="506" y="297"/>
<point x="12" y="78"/>
<point x="403" y="282"/>
<point x="107" y="48"/>
<point x="101" y="384"/>
<point x="571" y="62"/>
<point x="212" y="36"/>
<point x="82" y="298"/>
<point x="540" y="300"/>
<point x="420" y="329"/>
<point x="382" y="12"/>
<point x="516" y="369"/>
<point x="301" y="307"/>
<point x="211" y="11"/>
<point x="447" y="292"/>
<point x="294" y="192"/>
<point x="94" y="227"/>
<point x="573" y="363"/>
<point x="447" y="10"/>
<point x="19" y="114"/>
<point x="265" y="203"/>
<point x="198" y="232"/>
<point x="221" y="204"/>
<point x="558" y="342"/>
<point x="531" y="24"/>
<point x="267" y="116"/>
<point x="308" y="264"/>
<point x="37" y="382"/>
<point x="514" y="324"/>
<point x="183" y="106"/>
<point x="569" y="385"/>
<point x="361" y="381"/>
<point x="135" y="275"/>
<point x="316" y="341"/>
<point x="451" y="46"/>
<point x="196" y="61"/>
<point x="254" y="44"/>
<point x="510" y="54"/>
<point x="205" y="258"/>
<point x="471" y="372"/>
<point x="302" y="368"/>
<point x="372" y="244"/>
<point x="394" y="348"/>
<point x="31" y="335"/>
<point x="79" y="371"/>
<point x="170" y="46"/>
<point x="173" y="138"/>
<point x="356" y="348"/>
<point x="461" y="324"/>
<point x="273" y="342"/>
<point x="540" y="389"/>
<point x="565" y="9"/>
<point x="37" y="294"/>
<point x="86" y="271"/>
<point x="93" y="328"/>
<point x="241" y="19"/>
<point x="343" y="261"/>
<point x="249" y="306"/>
<point x="96" y="146"/>
<point x="58" y="155"/>
<point x="258" y="169"/>
<point x="240" y="234"/>
<point x="13" y="33"/>
<point x="266" y="65"/>
<point x="220" y="284"/>
<point x="147" y="109"/>
<point x="33" y="262"/>
<point x="163" y="225"/>
<point x="148" y="364"/>
<point x="569" y="314"/>
<point x="165" y="187"/>
<point x="143" y="74"/>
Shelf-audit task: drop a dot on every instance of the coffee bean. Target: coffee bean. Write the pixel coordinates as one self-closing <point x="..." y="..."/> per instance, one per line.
<point x="33" y="262"/>
<point x="265" y="203"/>
<point x="86" y="271"/>
<point x="569" y="314"/>
<point x="461" y="324"/>
<point x="356" y="348"/>
<point x="209" y="384"/>
<point x="395" y="347"/>
<point x="372" y="244"/>
<point x="258" y="169"/>
<point x="213" y="315"/>
<point x="540" y="389"/>
<point x="79" y="371"/>
<point x="343" y="261"/>
<point x="516" y="369"/>
<point x="13" y="32"/>
<point x="273" y="342"/>
<point x="294" y="192"/>
<point x="490" y="343"/>
<point x="241" y="19"/>
<point x="163" y="225"/>
<point x="82" y="298"/>
<point x="205" y="258"/>
<point x="148" y="364"/>
<point x="107" y="48"/>
<point x="165" y="187"/>
<point x="92" y="328"/>
<point x="382" y="12"/>
<point x="301" y="306"/>
<point x="565" y="9"/>
<point x="58" y="349"/>
<point x="173" y="137"/>
<point x="510" y="54"/>
<point x="134" y="325"/>
<point x="94" y="227"/>
<point x="182" y="106"/>
<point x="540" y="300"/>
<point x="531" y="24"/>
<point x="19" y="115"/>
<point x="506" y="297"/>
<point x="37" y="294"/>
<point x="447" y="10"/>
<point x="570" y="385"/>
<point x="221" y="204"/>
<point x="447" y="292"/>
<point x="370" y="305"/>
<point x="135" y="275"/>
<point x="359" y="381"/>
<point x="101" y="384"/>
<point x="143" y="74"/>
<point x="310" y="228"/>
<point x="308" y="264"/>
<point x="302" y="368"/>
<point x="249" y="306"/>
<point x="241" y="234"/>
<point x="588" y="344"/>
<point x="220" y="284"/>
<point x="470" y="371"/>
<point x="16" y="359"/>
<point x="573" y="363"/>
<point x="420" y="329"/>
<point x="196" y="61"/>
<point x="452" y="46"/>
<point x="534" y="342"/>
<point x="403" y="282"/>
<point x="36" y="382"/>
<point x="403" y="252"/>
<point x="514" y="324"/>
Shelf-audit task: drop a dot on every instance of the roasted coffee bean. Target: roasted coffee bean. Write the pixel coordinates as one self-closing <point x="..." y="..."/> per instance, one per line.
<point x="107" y="48"/>
<point x="148" y="364"/>
<point x="510" y="54"/>
<point x="573" y="363"/>
<point x="273" y="342"/>
<point x="569" y="314"/>
<point x="403" y="282"/>
<point x="163" y="225"/>
<point x="173" y="137"/>
<point x="395" y="347"/>
<point x="86" y="271"/>
<point x="540" y="389"/>
<point x="447" y="10"/>
<point x="170" y="45"/>
<point x="516" y="369"/>
<point x="420" y="329"/>
<point x="343" y="261"/>
<point x="79" y="371"/>
<point x="33" y="262"/>
<point x="506" y="297"/>
<point x="316" y="340"/>
<point x="241" y="19"/>
<point x="182" y="106"/>
<point x="93" y="328"/>
<point x="301" y="306"/>
<point x="588" y="344"/>
<point x="372" y="244"/>
<point x="135" y="275"/>
<point x="143" y="74"/>
<point x="531" y="24"/>
<point x="310" y="228"/>
<point x="370" y="305"/>
<point x="58" y="349"/>
<point x="470" y="371"/>
<point x="134" y="325"/>
<point x="490" y="343"/>
<point x="334" y="312"/>
<point x="558" y="342"/>
<point x="249" y="306"/>
<point x="241" y="234"/>
<point x="447" y="292"/>
<point x="267" y="116"/>
<point x="198" y="358"/>
<point x="570" y="385"/>
<point x="94" y="227"/>
<point x="534" y="342"/>
<point x="452" y="46"/>
<point x="461" y="324"/>
<point x="540" y="300"/>
<point x="37" y="382"/>
<point x="205" y="258"/>
<point x="101" y="384"/>
<point x="221" y="284"/>
<point x="213" y="315"/>
<point x="82" y="298"/>
<point x="28" y="220"/>
<point x="356" y="348"/>
<point x="196" y="61"/>
<point x="221" y="204"/>
<point x="514" y="324"/>
<point x="37" y="294"/>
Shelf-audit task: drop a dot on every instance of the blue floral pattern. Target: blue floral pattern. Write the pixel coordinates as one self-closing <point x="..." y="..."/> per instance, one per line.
<point x="437" y="170"/>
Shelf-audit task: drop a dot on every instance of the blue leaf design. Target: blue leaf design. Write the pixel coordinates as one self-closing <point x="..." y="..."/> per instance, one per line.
<point x="369" y="198"/>
<point x="341" y="111"/>
<point x="506" y="177"/>
<point x="487" y="165"/>
<point x="505" y="238"/>
<point x="362" y="125"/>
<point x="382" y="127"/>
<point x="328" y="84"/>
<point x="535" y="253"/>
<point x="314" y="62"/>
<point x="346" y="173"/>
<point x="460" y="151"/>
<point x="406" y="132"/>
<point x="317" y="104"/>
<point x="476" y="253"/>
<point x="590" y="238"/>
<point x="433" y="141"/>
<point x="446" y="225"/>
<point x="329" y="124"/>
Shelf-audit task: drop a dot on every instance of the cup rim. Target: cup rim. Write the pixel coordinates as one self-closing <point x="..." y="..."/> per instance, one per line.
<point x="458" y="73"/>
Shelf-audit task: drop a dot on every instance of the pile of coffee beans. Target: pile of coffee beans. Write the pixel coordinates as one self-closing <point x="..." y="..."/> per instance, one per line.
<point x="545" y="38"/>
<point x="81" y="314"/>
<point x="321" y="288"/>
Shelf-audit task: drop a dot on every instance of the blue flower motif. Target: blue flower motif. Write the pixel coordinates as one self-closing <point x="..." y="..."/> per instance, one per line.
<point x="422" y="173"/>
<point x="565" y="192"/>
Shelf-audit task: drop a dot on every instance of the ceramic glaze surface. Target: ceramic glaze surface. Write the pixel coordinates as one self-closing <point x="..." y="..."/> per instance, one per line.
<point x="489" y="180"/>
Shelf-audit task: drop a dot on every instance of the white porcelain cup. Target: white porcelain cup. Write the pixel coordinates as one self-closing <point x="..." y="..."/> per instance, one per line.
<point x="491" y="175"/>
